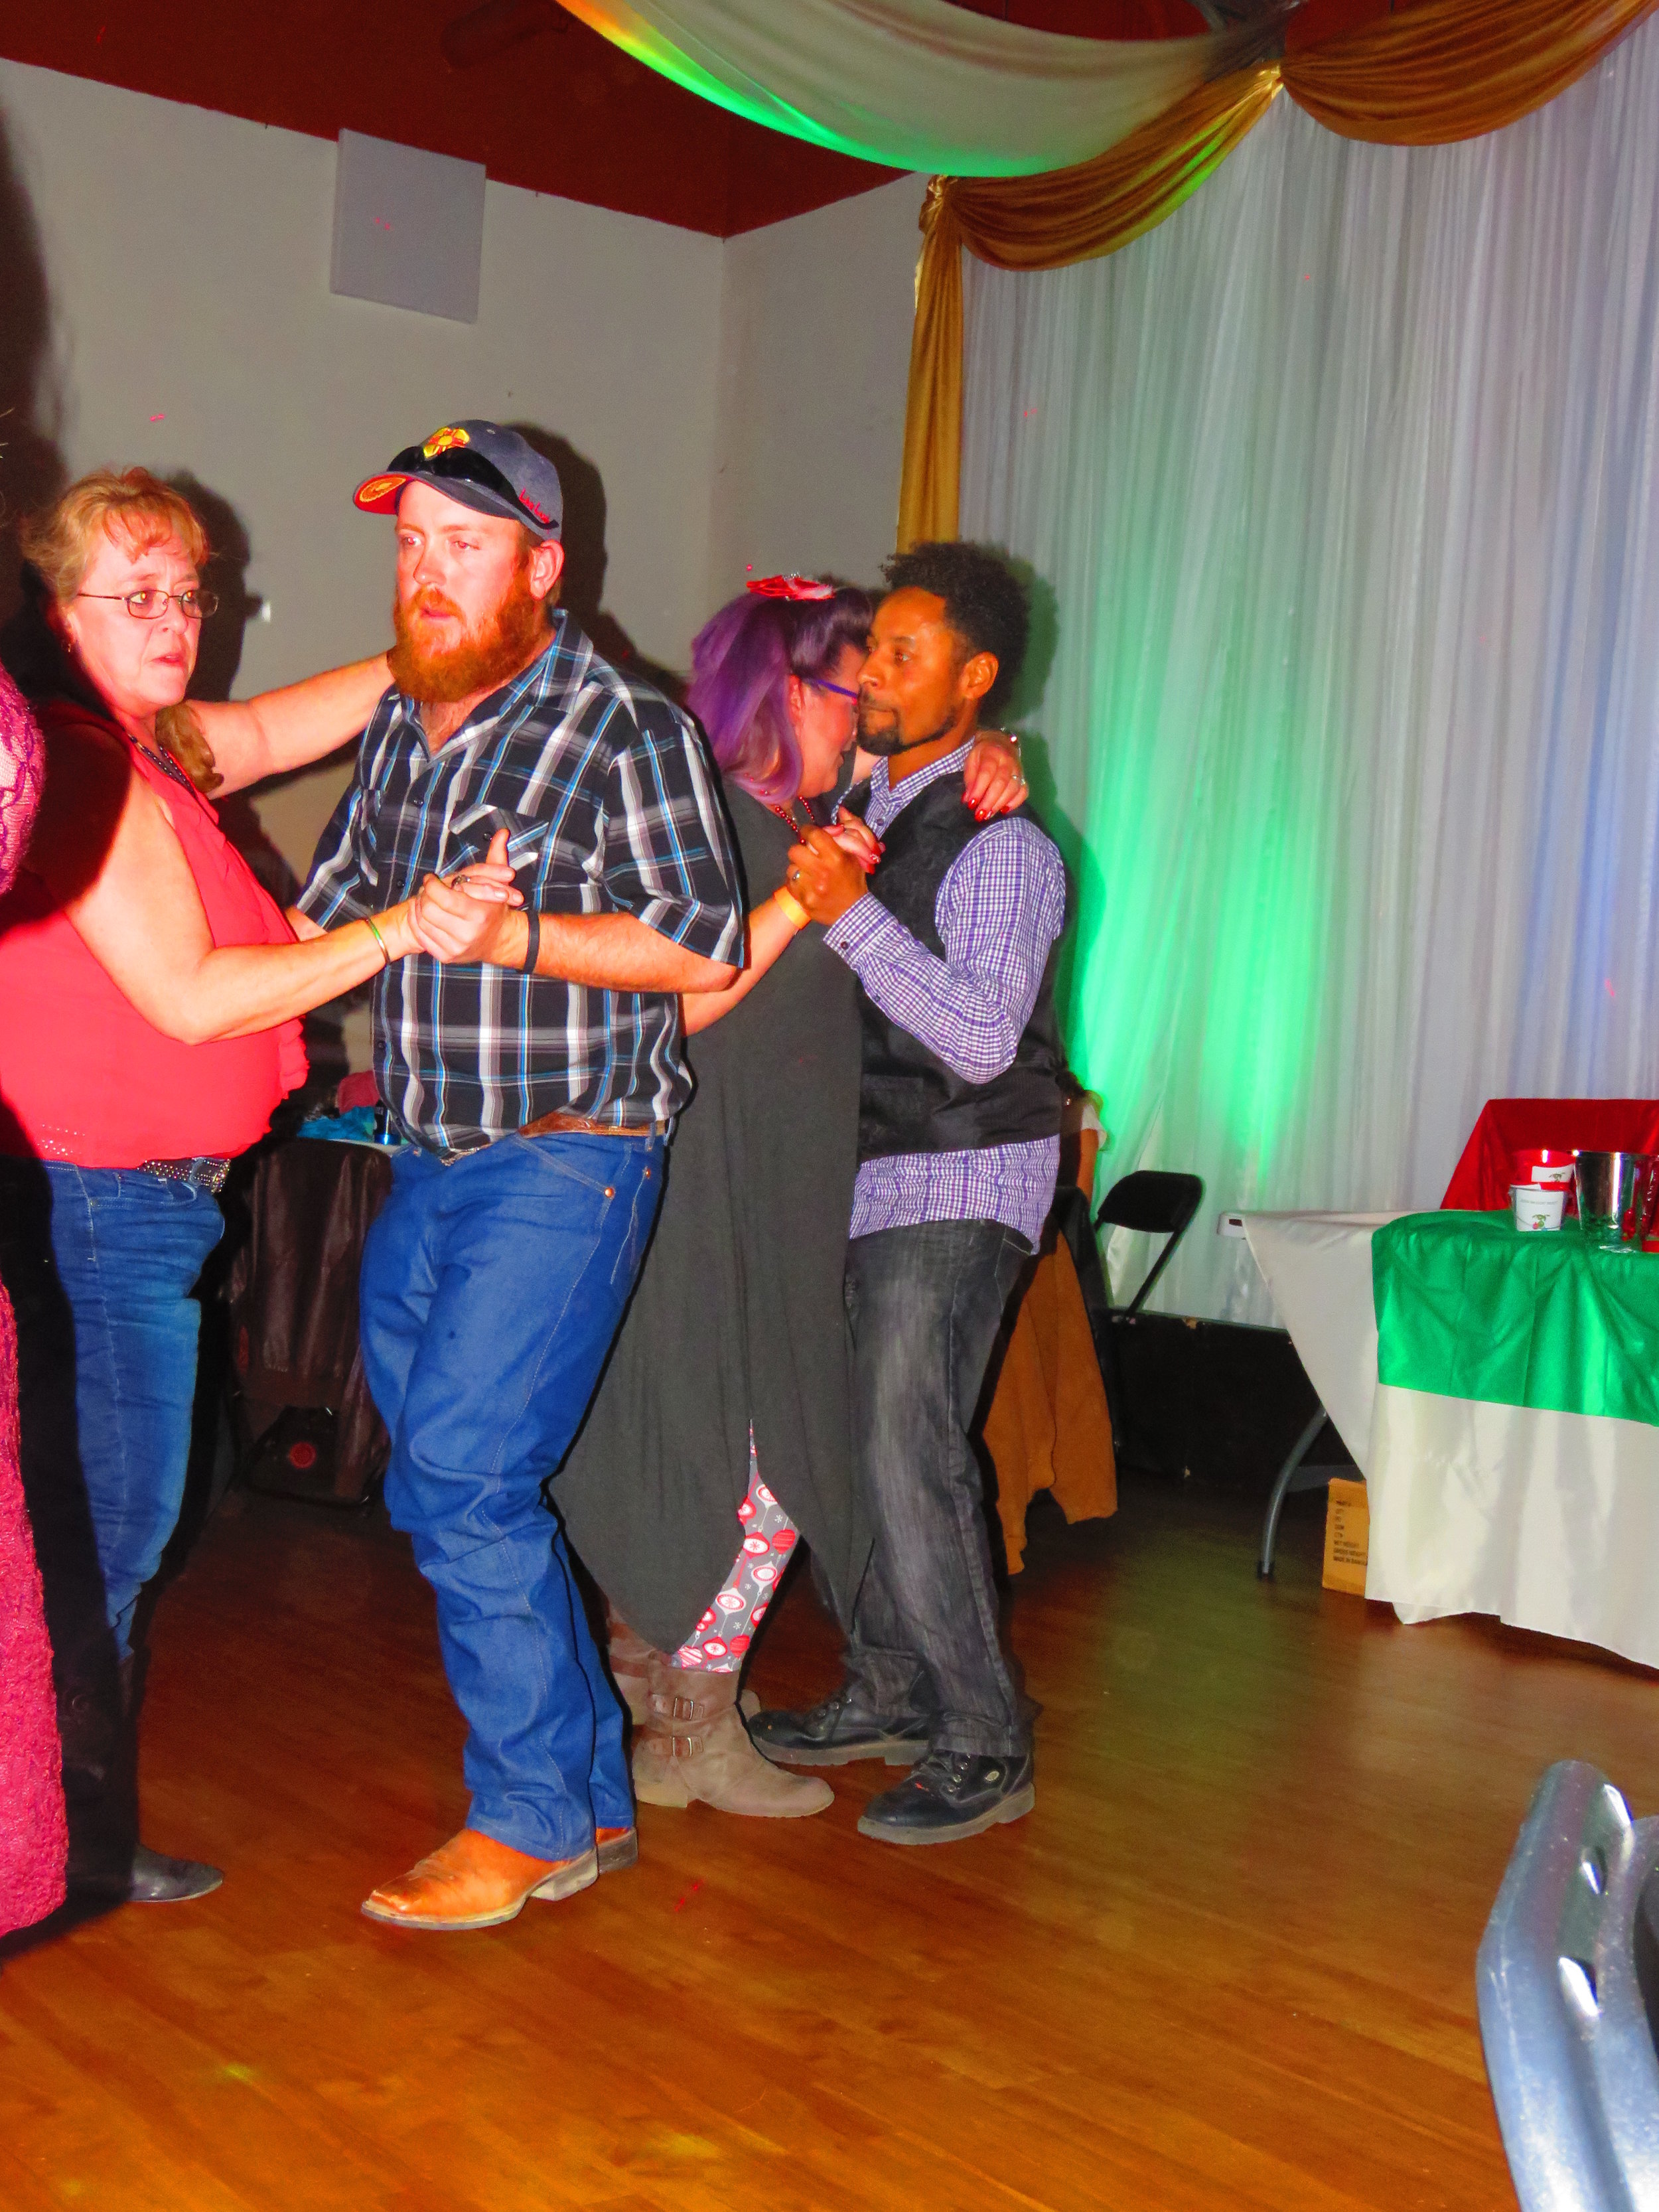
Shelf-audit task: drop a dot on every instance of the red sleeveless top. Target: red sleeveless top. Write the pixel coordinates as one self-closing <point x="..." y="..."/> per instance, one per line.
<point x="83" y="1076"/>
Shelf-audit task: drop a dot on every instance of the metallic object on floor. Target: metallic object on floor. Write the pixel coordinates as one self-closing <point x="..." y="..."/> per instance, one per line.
<point x="1298" y="1473"/>
<point x="1568" y="1985"/>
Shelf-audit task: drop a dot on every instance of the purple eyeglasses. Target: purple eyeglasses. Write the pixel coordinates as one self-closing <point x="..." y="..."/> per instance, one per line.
<point x="820" y="684"/>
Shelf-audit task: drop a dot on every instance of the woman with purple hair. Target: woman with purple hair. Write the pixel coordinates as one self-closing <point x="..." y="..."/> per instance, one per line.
<point x="722" y="1422"/>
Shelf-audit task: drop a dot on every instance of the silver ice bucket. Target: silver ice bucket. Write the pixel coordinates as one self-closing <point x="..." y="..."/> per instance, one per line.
<point x="1616" y="1195"/>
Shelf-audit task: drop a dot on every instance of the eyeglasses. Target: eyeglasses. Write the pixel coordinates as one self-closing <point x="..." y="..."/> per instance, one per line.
<point x="819" y="683"/>
<point x="150" y="604"/>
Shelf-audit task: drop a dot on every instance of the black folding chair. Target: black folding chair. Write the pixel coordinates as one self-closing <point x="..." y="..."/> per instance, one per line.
<point x="1159" y="1205"/>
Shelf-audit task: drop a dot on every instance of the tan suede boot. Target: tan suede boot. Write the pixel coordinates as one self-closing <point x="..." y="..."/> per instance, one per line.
<point x="631" y="1661"/>
<point x="693" y="1748"/>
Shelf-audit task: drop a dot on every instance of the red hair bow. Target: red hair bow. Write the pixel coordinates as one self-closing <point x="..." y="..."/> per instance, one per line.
<point x="790" y="587"/>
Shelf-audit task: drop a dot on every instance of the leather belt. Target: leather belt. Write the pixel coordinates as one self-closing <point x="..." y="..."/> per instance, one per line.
<point x="561" y="1124"/>
<point x="204" y="1169"/>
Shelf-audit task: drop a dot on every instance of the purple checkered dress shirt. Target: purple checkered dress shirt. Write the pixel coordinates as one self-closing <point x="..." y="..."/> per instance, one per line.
<point x="997" y="913"/>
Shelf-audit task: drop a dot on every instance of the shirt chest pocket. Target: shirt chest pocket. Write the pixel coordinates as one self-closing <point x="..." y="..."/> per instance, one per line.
<point x="468" y="837"/>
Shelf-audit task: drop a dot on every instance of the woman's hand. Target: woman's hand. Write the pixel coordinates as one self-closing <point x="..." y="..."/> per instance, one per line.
<point x="856" y="838"/>
<point x="993" y="780"/>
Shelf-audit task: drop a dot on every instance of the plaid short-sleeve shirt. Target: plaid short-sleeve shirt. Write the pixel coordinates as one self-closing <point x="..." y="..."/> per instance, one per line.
<point x="611" y="806"/>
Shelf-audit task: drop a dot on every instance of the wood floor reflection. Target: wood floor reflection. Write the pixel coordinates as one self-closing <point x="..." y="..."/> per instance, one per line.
<point x="1227" y="1962"/>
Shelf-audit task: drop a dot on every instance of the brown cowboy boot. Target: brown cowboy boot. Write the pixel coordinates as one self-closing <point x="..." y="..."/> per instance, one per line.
<point x="693" y="1748"/>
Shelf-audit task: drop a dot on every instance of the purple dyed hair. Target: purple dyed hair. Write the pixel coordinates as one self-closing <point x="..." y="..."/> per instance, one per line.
<point x="742" y="659"/>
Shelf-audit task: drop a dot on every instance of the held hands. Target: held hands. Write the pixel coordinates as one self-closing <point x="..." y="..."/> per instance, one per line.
<point x="855" y="837"/>
<point x="470" y="916"/>
<point x="993" y="781"/>
<point x="824" y="875"/>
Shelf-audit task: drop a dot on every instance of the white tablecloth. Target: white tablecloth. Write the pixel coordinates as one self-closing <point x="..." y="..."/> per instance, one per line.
<point x="1318" y="1266"/>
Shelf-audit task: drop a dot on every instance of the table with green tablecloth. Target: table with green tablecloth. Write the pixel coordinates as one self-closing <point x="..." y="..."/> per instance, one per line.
<point x="1506" y="1413"/>
<point x="1514" y="1437"/>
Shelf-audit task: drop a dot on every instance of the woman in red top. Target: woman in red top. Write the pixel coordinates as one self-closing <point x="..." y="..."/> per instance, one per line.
<point x="151" y="993"/>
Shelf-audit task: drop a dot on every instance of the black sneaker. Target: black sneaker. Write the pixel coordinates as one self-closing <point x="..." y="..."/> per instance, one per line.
<point x="838" y="1731"/>
<point x="951" y="1795"/>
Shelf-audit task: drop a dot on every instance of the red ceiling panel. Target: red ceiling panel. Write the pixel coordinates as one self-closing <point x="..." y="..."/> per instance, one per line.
<point x="559" y="110"/>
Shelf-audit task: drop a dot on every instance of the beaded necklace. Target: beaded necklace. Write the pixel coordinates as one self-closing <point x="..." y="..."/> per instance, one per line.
<point x="164" y="759"/>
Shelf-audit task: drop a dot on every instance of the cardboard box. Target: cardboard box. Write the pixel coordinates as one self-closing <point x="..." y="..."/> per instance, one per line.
<point x="1347" y="1537"/>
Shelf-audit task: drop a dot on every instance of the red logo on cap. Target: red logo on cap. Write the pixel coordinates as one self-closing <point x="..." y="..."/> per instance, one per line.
<point x="442" y="440"/>
<point x="371" y="494"/>
<point x="540" y="514"/>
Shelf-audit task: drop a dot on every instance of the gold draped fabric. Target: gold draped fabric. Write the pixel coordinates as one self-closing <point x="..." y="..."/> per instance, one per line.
<point x="1044" y="222"/>
<point x="1446" y="70"/>
<point x="1420" y="74"/>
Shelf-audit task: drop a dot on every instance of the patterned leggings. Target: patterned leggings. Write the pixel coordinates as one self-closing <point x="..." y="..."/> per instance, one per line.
<point x="721" y="1638"/>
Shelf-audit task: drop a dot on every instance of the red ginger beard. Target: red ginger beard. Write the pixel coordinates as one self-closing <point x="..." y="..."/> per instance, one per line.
<point x="480" y="660"/>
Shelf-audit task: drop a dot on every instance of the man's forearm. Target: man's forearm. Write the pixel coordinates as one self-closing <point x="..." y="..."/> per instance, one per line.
<point x="615" y="953"/>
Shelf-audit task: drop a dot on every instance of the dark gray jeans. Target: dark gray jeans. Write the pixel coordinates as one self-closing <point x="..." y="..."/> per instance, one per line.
<point x="924" y="1304"/>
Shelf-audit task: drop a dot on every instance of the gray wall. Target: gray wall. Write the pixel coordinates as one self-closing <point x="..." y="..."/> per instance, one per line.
<point x="164" y="299"/>
<point x="814" y="357"/>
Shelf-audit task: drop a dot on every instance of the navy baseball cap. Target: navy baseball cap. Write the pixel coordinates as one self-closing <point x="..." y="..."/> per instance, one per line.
<point x="480" y="465"/>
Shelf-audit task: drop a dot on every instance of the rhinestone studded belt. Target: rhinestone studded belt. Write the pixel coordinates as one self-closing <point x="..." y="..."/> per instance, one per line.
<point x="210" y="1173"/>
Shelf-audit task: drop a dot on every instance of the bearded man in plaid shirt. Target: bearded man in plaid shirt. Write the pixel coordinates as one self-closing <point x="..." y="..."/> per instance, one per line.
<point x="560" y="830"/>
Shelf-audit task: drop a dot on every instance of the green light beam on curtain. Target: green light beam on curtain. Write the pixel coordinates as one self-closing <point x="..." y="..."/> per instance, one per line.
<point x="1349" y="721"/>
<point x="916" y="84"/>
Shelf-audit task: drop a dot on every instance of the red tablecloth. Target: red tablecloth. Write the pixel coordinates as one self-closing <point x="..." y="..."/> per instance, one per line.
<point x="1482" y="1178"/>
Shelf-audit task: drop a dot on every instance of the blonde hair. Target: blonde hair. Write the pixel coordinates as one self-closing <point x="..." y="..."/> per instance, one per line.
<point x="60" y="543"/>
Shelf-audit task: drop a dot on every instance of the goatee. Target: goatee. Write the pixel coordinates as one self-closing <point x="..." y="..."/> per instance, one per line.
<point x="481" y="659"/>
<point x="884" y="743"/>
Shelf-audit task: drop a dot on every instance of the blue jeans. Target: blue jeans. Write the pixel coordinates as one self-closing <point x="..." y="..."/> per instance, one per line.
<point x="925" y="1305"/>
<point x="100" y="1263"/>
<point x="492" y="1286"/>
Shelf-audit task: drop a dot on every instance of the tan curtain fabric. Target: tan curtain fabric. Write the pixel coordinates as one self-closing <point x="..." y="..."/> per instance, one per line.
<point x="1045" y="222"/>
<point x="1424" y="74"/>
<point x="1446" y="70"/>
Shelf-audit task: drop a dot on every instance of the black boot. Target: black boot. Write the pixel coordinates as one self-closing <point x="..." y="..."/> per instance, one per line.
<point x="98" y="1703"/>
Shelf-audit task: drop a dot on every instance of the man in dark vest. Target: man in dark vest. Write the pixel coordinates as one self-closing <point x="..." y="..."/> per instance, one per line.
<point x="952" y="940"/>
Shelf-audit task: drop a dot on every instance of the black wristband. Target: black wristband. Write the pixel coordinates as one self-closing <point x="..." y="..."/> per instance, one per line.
<point x="534" y="920"/>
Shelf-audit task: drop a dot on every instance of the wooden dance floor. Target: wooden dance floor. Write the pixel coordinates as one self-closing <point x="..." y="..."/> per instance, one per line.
<point x="1227" y="1962"/>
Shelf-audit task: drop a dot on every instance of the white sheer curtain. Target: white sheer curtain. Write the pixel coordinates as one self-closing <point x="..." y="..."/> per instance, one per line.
<point x="915" y="83"/>
<point x="1346" y="481"/>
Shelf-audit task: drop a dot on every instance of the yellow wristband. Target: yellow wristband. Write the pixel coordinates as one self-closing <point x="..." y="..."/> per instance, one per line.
<point x="791" y="909"/>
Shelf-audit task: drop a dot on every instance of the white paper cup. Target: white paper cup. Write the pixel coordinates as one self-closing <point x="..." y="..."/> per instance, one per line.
<point x="1537" y="1206"/>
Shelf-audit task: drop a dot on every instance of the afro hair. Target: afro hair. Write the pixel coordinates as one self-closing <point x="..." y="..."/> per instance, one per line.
<point x="985" y="603"/>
